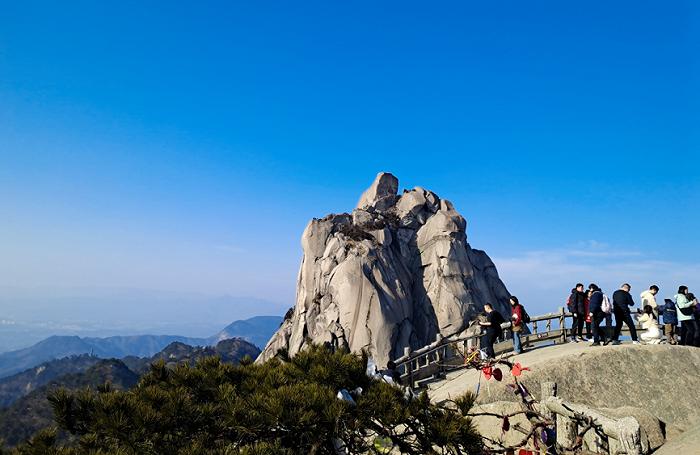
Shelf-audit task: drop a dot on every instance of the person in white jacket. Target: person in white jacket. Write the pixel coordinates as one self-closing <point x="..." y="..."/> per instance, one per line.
<point x="649" y="298"/>
<point x="650" y="324"/>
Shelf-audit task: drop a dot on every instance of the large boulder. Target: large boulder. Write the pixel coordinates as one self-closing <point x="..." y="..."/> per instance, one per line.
<point x="394" y="273"/>
<point x="659" y="379"/>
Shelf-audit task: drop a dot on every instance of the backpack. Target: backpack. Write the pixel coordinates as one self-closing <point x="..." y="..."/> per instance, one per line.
<point x="687" y="311"/>
<point x="606" y="307"/>
<point x="526" y="317"/>
<point x="569" y="303"/>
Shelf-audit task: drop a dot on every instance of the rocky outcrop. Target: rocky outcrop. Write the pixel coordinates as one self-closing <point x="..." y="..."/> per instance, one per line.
<point x="650" y="383"/>
<point x="395" y="272"/>
<point x="488" y="421"/>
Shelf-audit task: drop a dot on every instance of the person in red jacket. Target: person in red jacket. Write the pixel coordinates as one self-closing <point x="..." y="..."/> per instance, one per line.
<point x="586" y="304"/>
<point x="517" y="323"/>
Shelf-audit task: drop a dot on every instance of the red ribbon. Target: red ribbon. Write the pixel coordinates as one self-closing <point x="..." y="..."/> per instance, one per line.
<point x="517" y="370"/>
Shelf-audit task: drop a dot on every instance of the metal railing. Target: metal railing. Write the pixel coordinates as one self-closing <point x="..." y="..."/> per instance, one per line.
<point x="446" y="353"/>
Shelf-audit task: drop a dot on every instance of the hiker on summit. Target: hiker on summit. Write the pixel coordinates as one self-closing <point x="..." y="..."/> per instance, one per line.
<point x="689" y="326"/>
<point x="519" y="318"/>
<point x="622" y="302"/>
<point x="597" y="314"/>
<point x="670" y="321"/>
<point x="649" y="298"/>
<point x="577" y="307"/>
<point x="493" y="322"/>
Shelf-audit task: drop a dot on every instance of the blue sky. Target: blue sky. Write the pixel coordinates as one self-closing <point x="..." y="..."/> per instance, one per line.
<point x="183" y="148"/>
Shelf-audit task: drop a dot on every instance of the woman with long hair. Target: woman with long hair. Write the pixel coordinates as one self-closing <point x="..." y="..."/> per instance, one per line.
<point x="651" y="325"/>
<point x="517" y="323"/>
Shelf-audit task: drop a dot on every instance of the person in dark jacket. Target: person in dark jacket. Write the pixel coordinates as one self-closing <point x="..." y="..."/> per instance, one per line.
<point x="493" y="322"/>
<point x="596" y="313"/>
<point x="622" y="302"/>
<point x="577" y="306"/>
<point x="670" y="321"/>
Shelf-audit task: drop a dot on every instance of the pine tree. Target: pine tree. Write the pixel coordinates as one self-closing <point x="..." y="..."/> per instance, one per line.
<point x="283" y="406"/>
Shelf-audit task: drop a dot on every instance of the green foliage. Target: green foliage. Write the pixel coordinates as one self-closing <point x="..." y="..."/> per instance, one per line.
<point x="272" y="408"/>
<point x="33" y="411"/>
<point x="14" y="387"/>
<point x="465" y="402"/>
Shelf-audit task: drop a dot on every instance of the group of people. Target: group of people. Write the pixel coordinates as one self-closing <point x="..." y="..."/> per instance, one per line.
<point x="590" y="307"/>
<point x="492" y="321"/>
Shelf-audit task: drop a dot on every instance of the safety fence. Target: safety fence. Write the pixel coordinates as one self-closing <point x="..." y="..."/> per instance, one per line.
<point x="447" y="353"/>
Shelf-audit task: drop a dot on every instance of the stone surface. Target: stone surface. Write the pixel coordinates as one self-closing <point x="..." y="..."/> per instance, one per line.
<point x="652" y="433"/>
<point x="382" y="193"/>
<point x="393" y="274"/>
<point x="686" y="443"/>
<point x="655" y="378"/>
<point x="490" y="426"/>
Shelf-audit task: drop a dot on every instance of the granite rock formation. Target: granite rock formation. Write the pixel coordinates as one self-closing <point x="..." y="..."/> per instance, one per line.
<point x="395" y="272"/>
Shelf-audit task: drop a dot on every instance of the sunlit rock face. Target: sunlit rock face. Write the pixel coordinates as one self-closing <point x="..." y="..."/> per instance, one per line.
<point x="394" y="273"/>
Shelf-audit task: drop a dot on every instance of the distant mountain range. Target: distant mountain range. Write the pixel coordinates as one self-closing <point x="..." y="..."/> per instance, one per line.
<point x="32" y="412"/>
<point x="20" y="384"/>
<point x="230" y="350"/>
<point x="256" y="330"/>
<point x="23" y="395"/>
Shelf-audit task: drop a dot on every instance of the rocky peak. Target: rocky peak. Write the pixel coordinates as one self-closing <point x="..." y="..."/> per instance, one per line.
<point x="394" y="273"/>
<point x="381" y="194"/>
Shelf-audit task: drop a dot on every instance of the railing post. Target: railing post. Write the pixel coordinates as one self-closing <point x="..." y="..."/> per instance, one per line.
<point x="562" y="324"/>
<point x="534" y="332"/>
<point x="547" y="389"/>
<point x="567" y="431"/>
<point x="439" y="358"/>
<point x="409" y="365"/>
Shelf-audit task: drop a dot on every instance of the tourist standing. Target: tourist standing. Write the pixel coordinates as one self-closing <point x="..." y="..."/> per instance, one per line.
<point x="493" y="322"/>
<point x="597" y="314"/>
<point x="517" y="317"/>
<point x="649" y="298"/>
<point x="577" y="306"/>
<point x="670" y="321"/>
<point x="685" y="308"/>
<point x="622" y="302"/>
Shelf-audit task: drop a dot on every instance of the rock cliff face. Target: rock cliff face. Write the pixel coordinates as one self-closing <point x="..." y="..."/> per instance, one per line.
<point x="394" y="273"/>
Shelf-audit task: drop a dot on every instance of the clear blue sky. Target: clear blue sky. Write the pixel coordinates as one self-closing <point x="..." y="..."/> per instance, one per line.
<point x="183" y="147"/>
